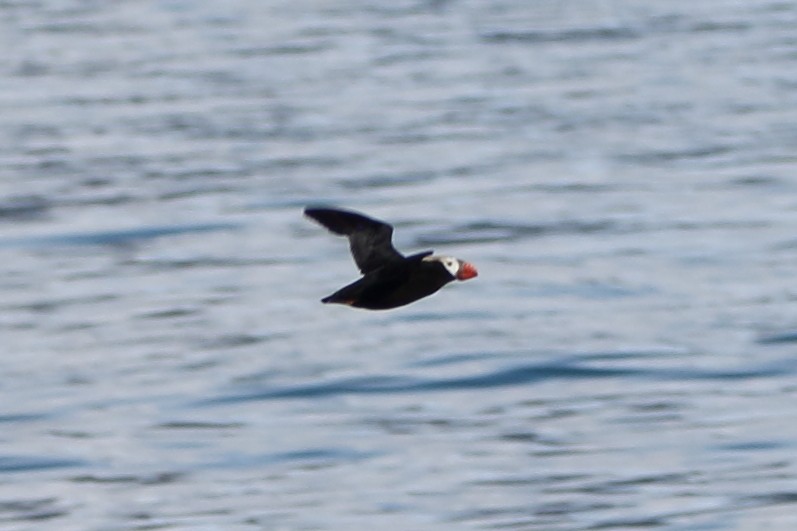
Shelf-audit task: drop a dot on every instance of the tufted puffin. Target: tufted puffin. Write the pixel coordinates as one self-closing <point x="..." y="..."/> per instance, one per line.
<point x="390" y="279"/>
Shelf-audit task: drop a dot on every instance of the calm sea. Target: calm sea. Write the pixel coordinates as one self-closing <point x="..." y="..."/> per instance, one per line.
<point x="622" y="173"/>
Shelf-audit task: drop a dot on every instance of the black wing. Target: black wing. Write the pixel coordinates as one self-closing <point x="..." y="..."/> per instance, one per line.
<point x="369" y="239"/>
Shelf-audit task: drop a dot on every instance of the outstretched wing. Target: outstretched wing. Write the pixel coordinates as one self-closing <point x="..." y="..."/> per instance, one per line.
<point x="369" y="239"/>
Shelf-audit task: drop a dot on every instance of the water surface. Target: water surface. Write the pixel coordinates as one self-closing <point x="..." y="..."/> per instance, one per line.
<point x="622" y="173"/>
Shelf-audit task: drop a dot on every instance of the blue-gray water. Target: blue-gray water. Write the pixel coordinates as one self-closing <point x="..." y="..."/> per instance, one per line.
<point x="624" y="175"/>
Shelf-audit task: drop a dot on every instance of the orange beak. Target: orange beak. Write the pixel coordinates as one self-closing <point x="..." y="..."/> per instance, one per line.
<point x="466" y="271"/>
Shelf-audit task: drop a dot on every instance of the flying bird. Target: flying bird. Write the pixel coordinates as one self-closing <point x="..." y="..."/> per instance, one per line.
<point x="390" y="279"/>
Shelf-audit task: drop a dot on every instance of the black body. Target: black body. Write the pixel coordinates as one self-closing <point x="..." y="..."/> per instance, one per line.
<point x="389" y="278"/>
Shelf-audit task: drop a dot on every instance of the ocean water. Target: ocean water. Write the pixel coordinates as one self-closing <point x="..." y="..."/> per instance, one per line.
<point x="623" y="174"/>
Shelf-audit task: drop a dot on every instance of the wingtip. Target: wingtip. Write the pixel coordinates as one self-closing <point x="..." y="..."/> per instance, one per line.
<point x="332" y="300"/>
<point x="315" y="211"/>
<point x="311" y="212"/>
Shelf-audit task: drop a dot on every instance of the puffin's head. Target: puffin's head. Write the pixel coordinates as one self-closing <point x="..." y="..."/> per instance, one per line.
<point x="459" y="269"/>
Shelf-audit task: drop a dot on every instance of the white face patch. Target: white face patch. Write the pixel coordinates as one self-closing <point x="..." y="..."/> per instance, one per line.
<point x="449" y="262"/>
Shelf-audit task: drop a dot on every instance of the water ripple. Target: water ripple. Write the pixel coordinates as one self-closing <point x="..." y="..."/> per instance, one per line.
<point x="29" y="463"/>
<point x="114" y="237"/>
<point x="30" y="510"/>
<point x="493" y="231"/>
<point x="571" y="35"/>
<point x="504" y="377"/>
<point x="783" y="337"/>
<point x="22" y="417"/>
<point x="309" y="457"/>
<point x="23" y="208"/>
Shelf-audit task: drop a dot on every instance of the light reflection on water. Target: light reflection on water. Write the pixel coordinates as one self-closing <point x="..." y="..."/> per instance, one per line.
<point x="622" y="175"/>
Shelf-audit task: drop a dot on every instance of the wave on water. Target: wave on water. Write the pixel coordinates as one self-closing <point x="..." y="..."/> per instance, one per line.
<point x="782" y="337"/>
<point x="494" y="231"/>
<point x="17" y="463"/>
<point x="114" y="237"/>
<point x="574" y="368"/>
